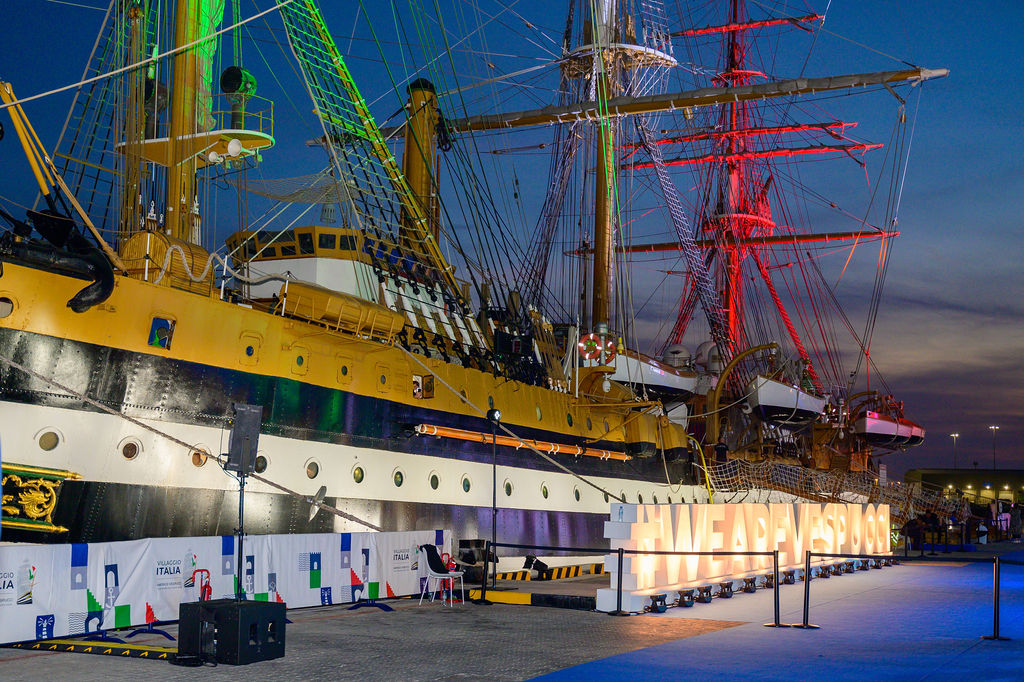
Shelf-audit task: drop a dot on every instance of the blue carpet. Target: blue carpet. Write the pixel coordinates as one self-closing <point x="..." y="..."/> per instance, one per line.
<point x="910" y="622"/>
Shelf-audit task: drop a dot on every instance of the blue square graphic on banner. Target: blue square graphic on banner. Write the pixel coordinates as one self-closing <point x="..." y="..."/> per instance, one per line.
<point x="111" y="585"/>
<point x="44" y="626"/>
<point x="346" y="542"/>
<point x="314" y="561"/>
<point x="79" y="565"/>
<point x="346" y="559"/>
<point x="227" y="552"/>
<point x="325" y="596"/>
<point x="438" y="537"/>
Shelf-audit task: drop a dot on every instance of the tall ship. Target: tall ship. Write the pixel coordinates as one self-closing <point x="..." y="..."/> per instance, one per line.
<point x="429" y="346"/>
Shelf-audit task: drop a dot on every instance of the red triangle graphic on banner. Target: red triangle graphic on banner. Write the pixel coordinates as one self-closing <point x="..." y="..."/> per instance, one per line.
<point x="355" y="578"/>
<point x="278" y="596"/>
<point x="150" y="616"/>
<point x="387" y="586"/>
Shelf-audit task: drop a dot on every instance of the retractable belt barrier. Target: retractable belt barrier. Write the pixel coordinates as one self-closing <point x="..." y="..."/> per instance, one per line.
<point x="621" y="554"/>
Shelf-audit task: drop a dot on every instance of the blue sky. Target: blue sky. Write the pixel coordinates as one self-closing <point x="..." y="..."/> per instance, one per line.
<point x="950" y="333"/>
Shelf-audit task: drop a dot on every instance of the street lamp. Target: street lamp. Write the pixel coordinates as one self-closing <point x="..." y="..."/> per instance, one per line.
<point x="954" y="436"/>
<point x="494" y="417"/>
<point x="994" y="429"/>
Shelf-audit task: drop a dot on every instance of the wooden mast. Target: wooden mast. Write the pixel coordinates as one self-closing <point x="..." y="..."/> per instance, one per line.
<point x="183" y="126"/>
<point x="605" y="190"/>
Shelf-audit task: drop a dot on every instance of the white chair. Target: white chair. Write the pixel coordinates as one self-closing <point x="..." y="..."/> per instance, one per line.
<point x="438" y="572"/>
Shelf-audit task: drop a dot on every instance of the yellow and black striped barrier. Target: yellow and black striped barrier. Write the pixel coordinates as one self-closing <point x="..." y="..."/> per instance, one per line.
<point x="514" y="575"/>
<point x="560" y="601"/>
<point x="75" y="646"/>
<point x="559" y="572"/>
<point x="596" y="569"/>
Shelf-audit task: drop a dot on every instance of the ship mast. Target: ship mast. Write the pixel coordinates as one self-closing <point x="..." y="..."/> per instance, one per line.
<point x="181" y="184"/>
<point x="604" y="194"/>
<point x="733" y="214"/>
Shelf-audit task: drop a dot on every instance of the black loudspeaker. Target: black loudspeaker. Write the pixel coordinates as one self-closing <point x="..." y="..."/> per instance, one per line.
<point x="244" y="438"/>
<point x="231" y="632"/>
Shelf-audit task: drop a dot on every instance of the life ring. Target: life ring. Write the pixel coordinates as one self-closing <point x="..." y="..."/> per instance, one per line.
<point x="593" y="346"/>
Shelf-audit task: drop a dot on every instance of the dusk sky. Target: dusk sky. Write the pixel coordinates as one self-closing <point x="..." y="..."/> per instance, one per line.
<point x="950" y="333"/>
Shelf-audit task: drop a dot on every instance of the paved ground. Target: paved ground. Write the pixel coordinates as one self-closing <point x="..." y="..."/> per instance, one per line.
<point x="917" y="621"/>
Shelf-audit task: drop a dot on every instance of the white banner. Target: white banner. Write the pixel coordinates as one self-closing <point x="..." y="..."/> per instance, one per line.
<point x="60" y="590"/>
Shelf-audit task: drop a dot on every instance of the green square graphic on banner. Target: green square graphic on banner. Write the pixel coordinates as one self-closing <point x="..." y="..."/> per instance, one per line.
<point x="314" y="578"/>
<point x="260" y="596"/>
<point x="373" y="590"/>
<point x="93" y="604"/>
<point x="122" y="616"/>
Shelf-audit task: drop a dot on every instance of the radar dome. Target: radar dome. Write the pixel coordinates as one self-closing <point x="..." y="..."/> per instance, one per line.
<point x="701" y="356"/>
<point x="676" y="355"/>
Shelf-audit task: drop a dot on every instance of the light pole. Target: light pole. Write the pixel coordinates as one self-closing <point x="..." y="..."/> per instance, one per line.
<point x="954" y="436"/>
<point x="994" y="429"/>
<point x="494" y="416"/>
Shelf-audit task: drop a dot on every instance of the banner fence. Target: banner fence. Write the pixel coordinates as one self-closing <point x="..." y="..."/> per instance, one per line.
<point x="64" y="590"/>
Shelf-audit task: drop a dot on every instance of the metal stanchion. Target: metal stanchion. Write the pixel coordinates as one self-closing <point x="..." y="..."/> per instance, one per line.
<point x="806" y="625"/>
<point x="618" y="595"/>
<point x="483" y="600"/>
<point x="995" y="604"/>
<point x="777" y="586"/>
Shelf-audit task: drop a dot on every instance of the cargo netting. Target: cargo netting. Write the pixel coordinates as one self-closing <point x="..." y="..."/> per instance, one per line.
<point x="905" y="501"/>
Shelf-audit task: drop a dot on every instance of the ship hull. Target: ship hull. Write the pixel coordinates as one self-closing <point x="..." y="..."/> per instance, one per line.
<point x="160" y="491"/>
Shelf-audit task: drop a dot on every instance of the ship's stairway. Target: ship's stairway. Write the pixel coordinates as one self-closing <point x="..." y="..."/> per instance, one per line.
<point x="904" y="501"/>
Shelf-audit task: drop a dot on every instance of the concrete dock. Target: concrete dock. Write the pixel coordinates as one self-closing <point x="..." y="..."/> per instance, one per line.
<point x="921" y="620"/>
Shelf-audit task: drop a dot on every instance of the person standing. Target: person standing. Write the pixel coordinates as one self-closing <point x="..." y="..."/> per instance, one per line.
<point x="1015" y="523"/>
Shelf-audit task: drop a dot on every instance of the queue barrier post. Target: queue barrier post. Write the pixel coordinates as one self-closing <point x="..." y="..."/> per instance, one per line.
<point x="618" y="594"/>
<point x="806" y="625"/>
<point x="995" y="604"/>
<point x="483" y="600"/>
<point x="776" y="587"/>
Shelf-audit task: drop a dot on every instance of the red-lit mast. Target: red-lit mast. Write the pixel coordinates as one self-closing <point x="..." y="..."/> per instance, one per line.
<point x="737" y="216"/>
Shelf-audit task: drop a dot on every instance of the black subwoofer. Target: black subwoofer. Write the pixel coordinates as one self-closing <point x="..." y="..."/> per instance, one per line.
<point x="230" y="631"/>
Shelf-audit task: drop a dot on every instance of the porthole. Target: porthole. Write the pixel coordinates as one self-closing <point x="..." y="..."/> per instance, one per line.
<point x="490" y="402"/>
<point x="568" y="418"/>
<point x="544" y="491"/>
<point x="260" y="465"/>
<point x="622" y="496"/>
<point x="6" y="306"/>
<point x="357" y="474"/>
<point x="606" y="497"/>
<point x="344" y="370"/>
<point x="313" y="470"/>
<point x="435" y="481"/>
<point x="670" y="499"/>
<point x="299" y="360"/>
<point x="655" y="499"/>
<point x="398" y="477"/>
<point x="590" y="424"/>
<point x="249" y="351"/>
<point x="640" y="498"/>
<point x="199" y="457"/>
<point x="540" y="415"/>
<point x="48" y="440"/>
<point x="130" y="449"/>
<point x="607" y="428"/>
<point x="383" y="379"/>
<point x="508" y="488"/>
<point x="576" y="493"/>
<point x="466" y="484"/>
